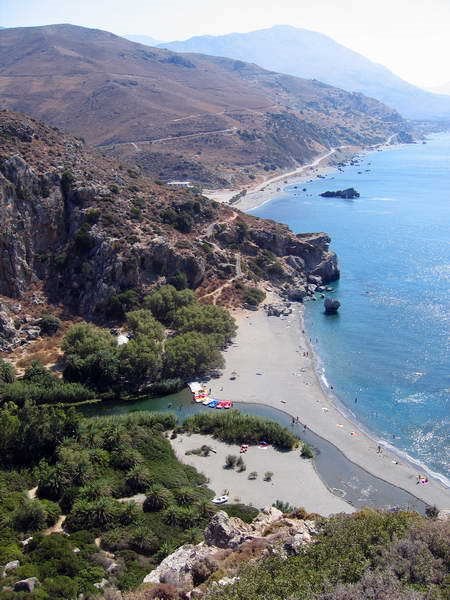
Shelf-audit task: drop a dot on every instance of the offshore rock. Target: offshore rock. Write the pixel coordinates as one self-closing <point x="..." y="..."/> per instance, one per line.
<point x="348" y="194"/>
<point x="331" y="306"/>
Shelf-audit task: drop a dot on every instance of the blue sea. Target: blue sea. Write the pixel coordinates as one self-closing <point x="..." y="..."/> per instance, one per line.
<point x="388" y="347"/>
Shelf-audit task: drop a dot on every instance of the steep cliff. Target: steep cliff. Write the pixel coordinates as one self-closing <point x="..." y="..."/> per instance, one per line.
<point x="78" y="228"/>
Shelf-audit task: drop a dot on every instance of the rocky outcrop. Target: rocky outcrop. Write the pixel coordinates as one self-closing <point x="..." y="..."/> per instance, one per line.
<point x="189" y="568"/>
<point x="348" y="194"/>
<point x="26" y="585"/>
<point x="331" y="306"/>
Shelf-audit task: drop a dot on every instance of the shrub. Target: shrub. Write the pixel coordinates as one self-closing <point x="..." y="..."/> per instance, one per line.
<point x="243" y="511"/>
<point x="268" y="476"/>
<point x="240" y="464"/>
<point x="35" y="515"/>
<point x="7" y="373"/>
<point x="49" y="324"/>
<point x="253" y="296"/>
<point x="121" y="303"/>
<point x="230" y="461"/>
<point x="158" y="498"/>
<point x="307" y="451"/>
<point x="285" y="507"/>
<point x="138" y="479"/>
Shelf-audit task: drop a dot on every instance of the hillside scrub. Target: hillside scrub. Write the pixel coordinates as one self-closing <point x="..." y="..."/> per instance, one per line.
<point x="236" y="428"/>
<point x="82" y="467"/>
<point x="370" y="555"/>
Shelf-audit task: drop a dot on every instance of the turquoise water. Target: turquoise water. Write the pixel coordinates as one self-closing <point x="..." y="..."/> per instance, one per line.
<point x="389" y="345"/>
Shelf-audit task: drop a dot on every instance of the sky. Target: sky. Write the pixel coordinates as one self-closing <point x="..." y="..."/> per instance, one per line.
<point x="411" y="37"/>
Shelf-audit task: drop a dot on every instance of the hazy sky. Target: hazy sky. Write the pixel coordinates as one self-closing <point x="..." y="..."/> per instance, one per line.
<point x="411" y="37"/>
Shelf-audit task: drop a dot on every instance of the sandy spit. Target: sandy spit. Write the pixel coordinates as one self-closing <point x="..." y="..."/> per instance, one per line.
<point x="268" y="356"/>
<point x="294" y="478"/>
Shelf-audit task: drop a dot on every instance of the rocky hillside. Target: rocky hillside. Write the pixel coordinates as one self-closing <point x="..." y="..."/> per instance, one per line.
<point x="215" y="121"/>
<point x="229" y="542"/>
<point x="78" y="228"/>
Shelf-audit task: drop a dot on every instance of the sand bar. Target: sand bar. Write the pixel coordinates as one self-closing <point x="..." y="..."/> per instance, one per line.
<point x="268" y="358"/>
<point x="294" y="478"/>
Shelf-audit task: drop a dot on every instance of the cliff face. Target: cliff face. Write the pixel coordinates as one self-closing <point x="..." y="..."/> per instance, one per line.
<point x="78" y="228"/>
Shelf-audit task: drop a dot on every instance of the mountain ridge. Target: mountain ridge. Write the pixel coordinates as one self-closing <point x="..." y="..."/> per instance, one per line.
<point x="211" y="120"/>
<point x="314" y="55"/>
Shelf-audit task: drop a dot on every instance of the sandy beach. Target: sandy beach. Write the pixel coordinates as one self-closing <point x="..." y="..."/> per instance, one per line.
<point x="294" y="478"/>
<point x="267" y="364"/>
<point x="265" y="190"/>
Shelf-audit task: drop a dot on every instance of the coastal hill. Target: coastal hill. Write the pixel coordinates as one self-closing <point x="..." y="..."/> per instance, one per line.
<point x="215" y="121"/>
<point x="309" y="54"/>
<point x="78" y="229"/>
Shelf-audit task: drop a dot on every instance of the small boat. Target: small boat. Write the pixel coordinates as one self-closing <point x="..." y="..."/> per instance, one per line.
<point x="225" y="404"/>
<point x="263" y="445"/>
<point x="206" y="401"/>
<point x="220" y="500"/>
<point x="213" y="403"/>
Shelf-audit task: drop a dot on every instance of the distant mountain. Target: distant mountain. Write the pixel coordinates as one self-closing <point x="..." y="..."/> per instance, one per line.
<point x="212" y="120"/>
<point x="442" y="89"/>
<point x="313" y="55"/>
<point x="143" y="39"/>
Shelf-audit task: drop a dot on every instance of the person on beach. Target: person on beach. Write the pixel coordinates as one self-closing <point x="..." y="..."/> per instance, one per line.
<point x="379" y="449"/>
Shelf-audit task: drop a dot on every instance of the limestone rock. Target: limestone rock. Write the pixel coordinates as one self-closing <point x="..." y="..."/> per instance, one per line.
<point x="176" y="569"/>
<point x="268" y="515"/>
<point x="226" y="532"/>
<point x="26" y="585"/>
<point x="10" y="566"/>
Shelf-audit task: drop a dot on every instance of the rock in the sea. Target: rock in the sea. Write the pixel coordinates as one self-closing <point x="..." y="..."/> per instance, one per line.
<point x="26" y="585"/>
<point x="331" y="306"/>
<point x="347" y="194"/>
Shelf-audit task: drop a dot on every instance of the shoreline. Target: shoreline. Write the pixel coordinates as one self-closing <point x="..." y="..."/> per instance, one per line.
<point x="292" y="384"/>
<point x="269" y="188"/>
<point x="347" y="413"/>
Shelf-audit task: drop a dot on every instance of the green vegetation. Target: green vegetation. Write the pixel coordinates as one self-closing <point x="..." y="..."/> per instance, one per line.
<point x="49" y="324"/>
<point x="253" y="296"/>
<point x="242" y="511"/>
<point x="7" y="374"/>
<point x="82" y="467"/>
<point x="370" y="555"/>
<point x="40" y="386"/>
<point x="233" y="427"/>
<point x="199" y="333"/>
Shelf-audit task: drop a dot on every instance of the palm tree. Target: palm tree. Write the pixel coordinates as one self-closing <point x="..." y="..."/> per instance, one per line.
<point x="158" y="498"/>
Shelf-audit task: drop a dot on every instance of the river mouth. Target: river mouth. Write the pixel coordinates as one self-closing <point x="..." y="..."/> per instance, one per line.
<point x="341" y="476"/>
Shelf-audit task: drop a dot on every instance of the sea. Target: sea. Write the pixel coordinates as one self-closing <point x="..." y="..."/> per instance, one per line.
<point x="386" y="354"/>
